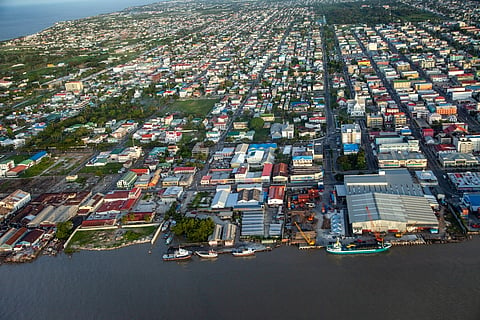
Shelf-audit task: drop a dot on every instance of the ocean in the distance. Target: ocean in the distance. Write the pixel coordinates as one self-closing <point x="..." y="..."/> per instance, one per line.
<point x="20" y="18"/>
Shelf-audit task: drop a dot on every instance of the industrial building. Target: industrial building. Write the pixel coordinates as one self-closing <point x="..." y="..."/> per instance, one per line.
<point x="253" y="223"/>
<point x="472" y="202"/>
<point x="280" y="173"/>
<point x="381" y="212"/>
<point x="276" y="194"/>
<point x="223" y="234"/>
<point x="387" y="201"/>
<point x="391" y="181"/>
<point x="52" y="215"/>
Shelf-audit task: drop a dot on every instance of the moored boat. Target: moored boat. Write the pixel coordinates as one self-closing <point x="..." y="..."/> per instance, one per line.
<point x="165" y="226"/>
<point x="210" y="254"/>
<point x="339" y="248"/>
<point x="169" y="239"/>
<point x="179" y="254"/>
<point x="244" y="252"/>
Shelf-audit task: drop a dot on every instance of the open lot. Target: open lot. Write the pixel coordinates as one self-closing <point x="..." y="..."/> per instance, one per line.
<point x="110" y="238"/>
<point x="35" y="185"/>
<point x="68" y="162"/>
<point x="197" y="107"/>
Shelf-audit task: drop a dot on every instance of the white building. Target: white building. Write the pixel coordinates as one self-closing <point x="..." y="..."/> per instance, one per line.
<point x="355" y="109"/>
<point x="13" y="202"/>
<point x="351" y="134"/>
<point x="173" y="136"/>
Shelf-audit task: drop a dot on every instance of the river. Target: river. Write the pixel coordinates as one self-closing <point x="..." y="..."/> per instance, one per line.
<point x="422" y="282"/>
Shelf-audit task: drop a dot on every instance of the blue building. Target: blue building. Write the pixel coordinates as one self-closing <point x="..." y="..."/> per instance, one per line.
<point x="350" y="148"/>
<point x="38" y="156"/>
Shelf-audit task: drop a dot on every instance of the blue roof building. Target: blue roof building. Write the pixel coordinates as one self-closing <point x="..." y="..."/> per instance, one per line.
<point x="472" y="200"/>
<point x="350" y="148"/>
<point x="38" y="156"/>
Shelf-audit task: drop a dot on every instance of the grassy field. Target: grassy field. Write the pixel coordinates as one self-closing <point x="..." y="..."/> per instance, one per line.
<point x="108" y="239"/>
<point x="109" y="168"/>
<point x="197" y="107"/>
<point x="38" y="168"/>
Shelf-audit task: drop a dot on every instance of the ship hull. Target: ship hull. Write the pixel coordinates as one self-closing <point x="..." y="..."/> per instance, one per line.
<point x="244" y="253"/>
<point x="165" y="258"/>
<point x="344" y="251"/>
<point x="207" y="254"/>
<point x="179" y="254"/>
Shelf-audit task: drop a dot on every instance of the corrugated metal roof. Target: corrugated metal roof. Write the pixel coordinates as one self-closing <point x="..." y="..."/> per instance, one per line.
<point x="390" y="207"/>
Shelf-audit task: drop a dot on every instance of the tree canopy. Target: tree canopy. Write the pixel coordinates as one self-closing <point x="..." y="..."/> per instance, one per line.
<point x="64" y="229"/>
<point x="194" y="230"/>
<point x="257" y="124"/>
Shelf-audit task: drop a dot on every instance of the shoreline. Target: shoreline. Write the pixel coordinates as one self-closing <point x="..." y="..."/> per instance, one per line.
<point x="22" y="17"/>
<point x="110" y="249"/>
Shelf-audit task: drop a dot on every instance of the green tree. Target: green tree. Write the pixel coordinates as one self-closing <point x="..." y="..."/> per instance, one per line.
<point x="64" y="229"/>
<point x="194" y="230"/>
<point x="361" y="162"/>
<point x="257" y="124"/>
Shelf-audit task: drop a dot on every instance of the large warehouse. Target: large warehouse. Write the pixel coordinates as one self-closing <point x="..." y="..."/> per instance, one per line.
<point x="387" y="201"/>
<point x="381" y="212"/>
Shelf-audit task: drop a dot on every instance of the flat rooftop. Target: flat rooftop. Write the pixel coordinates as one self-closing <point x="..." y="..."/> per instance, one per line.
<point x="391" y="181"/>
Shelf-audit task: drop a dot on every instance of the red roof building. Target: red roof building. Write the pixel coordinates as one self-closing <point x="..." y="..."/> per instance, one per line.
<point x="140" y="172"/>
<point x="267" y="172"/>
<point x="187" y="170"/>
<point x="116" y="195"/>
<point x="16" y="237"/>
<point x="276" y="194"/>
<point x="280" y="172"/>
<point x="427" y="132"/>
<point x="32" y="237"/>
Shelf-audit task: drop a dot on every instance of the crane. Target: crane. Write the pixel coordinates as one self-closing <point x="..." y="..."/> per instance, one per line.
<point x="377" y="234"/>
<point x="310" y="242"/>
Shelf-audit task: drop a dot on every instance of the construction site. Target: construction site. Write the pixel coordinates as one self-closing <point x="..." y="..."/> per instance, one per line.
<point x="302" y="216"/>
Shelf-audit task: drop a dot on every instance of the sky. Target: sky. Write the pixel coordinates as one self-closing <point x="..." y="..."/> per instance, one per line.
<point x="29" y="2"/>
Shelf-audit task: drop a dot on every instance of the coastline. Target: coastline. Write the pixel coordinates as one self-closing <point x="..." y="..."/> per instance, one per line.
<point x="113" y="248"/>
<point x="17" y="21"/>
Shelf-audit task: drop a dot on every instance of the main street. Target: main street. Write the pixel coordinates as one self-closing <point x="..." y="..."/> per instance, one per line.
<point x="329" y="141"/>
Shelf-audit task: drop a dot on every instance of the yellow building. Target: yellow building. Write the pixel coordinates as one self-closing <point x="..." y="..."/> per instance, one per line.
<point x="74" y="86"/>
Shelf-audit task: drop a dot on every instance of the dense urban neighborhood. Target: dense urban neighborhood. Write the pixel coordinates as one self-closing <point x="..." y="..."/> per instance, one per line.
<point x="242" y="125"/>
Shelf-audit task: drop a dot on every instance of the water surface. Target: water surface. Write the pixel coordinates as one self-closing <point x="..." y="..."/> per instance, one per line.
<point x="424" y="282"/>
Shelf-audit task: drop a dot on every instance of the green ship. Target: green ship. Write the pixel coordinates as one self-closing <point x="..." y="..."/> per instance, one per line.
<point x="339" y="248"/>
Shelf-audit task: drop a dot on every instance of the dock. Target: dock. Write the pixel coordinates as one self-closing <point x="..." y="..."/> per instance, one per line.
<point x="157" y="233"/>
